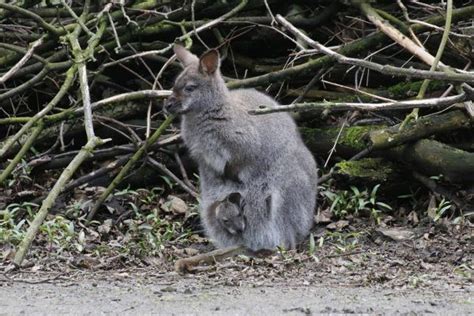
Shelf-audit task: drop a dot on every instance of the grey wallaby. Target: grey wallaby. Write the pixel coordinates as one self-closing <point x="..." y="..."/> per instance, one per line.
<point x="247" y="221"/>
<point x="239" y="152"/>
<point x="229" y="214"/>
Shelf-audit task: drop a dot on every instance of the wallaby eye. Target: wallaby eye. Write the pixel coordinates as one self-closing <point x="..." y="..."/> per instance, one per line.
<point x="225" y="220"/>
<point x="190" y="88"/>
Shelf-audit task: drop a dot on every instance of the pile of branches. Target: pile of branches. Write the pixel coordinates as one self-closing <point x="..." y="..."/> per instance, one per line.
<point x="382" y="89"/>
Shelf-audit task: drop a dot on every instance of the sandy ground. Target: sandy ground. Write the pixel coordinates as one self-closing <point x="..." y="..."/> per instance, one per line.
<point x="431" y="273"/>
<point x="137" y="294"/>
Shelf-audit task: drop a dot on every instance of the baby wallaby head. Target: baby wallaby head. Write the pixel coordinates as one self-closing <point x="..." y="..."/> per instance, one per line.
<point x="229" y="214"/>
<point x="200" y="85"/>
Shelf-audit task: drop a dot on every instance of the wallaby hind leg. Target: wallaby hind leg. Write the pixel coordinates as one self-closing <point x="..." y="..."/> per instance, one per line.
<point x="187" y="265"/>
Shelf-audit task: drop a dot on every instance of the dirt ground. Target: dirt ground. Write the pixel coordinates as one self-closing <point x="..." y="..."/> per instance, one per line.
<point x="429" y="273"/>
<point x="143" y="292"/>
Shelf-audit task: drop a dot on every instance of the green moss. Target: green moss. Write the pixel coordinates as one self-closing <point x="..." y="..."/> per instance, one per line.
<point x="375" y="169"/>
<point x="410" y="89"/>
<point x="158" y="28"/>
<point x="355" y="136"/>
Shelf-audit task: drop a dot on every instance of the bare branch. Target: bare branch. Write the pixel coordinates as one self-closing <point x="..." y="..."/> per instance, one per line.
<point x="22" y="61"/>
<point x="385" y="69"/>
<point x="345" y="106"/>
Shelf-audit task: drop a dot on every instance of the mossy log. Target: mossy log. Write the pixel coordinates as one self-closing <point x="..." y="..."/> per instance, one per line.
<point x="351" y="140"/>
<point x="393" y="136"/>
<point x="376" y="170"/>
<point x="434" y="158"/>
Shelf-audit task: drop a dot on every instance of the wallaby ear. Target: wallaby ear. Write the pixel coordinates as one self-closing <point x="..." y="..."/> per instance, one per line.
<point x="184" y="56"/>
<point x="209" y="62"/>
<point x="234" y="197"/>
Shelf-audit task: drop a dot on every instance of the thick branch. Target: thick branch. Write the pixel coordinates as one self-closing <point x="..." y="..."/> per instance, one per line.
<point x="424" y="127"/>
<point x="19" y="10"/>
<point x="51" y="198"/>
<point x="396" y="35"/>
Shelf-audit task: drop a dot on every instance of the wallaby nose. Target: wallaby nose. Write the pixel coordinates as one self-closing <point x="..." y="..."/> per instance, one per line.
<point x="240" y="228"/>
<point x="171" y="104"/>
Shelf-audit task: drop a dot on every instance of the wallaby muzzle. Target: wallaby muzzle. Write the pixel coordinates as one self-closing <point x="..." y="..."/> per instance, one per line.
<point x="172" y="105"/>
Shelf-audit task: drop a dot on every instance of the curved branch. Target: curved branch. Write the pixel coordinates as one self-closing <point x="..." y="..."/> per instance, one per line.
<point x="16" y="9"/>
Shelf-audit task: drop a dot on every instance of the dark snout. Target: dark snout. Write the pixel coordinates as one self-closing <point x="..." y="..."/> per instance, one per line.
<point x="240" y="227"/>
<point x="173" y="105"/>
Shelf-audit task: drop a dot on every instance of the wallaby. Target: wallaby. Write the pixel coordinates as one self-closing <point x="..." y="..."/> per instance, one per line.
<point x="229" y="214"/>
<point x="236" y="151"/>
<point x="245" y="221"/>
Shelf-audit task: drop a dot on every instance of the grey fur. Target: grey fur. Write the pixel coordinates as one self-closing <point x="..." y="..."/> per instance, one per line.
<point x="257" y="156"/>
<point x="229" y="214"/>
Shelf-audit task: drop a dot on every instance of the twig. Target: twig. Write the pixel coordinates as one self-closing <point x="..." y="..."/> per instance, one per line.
<point x="442" y="45"/>
<point x="352" y="48"/>
<point x="28" y="84"/>
<point x="97" y="173"/>
<point x="22" y="50"/>
<point x="48" y="280"/>
<point x="117" y="39"/>
<point x="436" y="188"/>
<point x="129" y="96"/>
<point x="22" y="61"/>
<point x="129" y="133"/>
<point x="86" y="101"/>
<point x="407" y="17"/>
<point x="170" y="174"/>
<point x="267" y="6"/>
<point x="24" y="149"/>
<point x="78" y="20"/>
<point x="396" y="35"/>
<point x="344" y="106"/>
<point x="385" y="69"/>
<point x="78" y="111"/>
<point x="193" y="21"/>
<point x="310" y="84"/>
<point x="439" y="53"/>
<point x="140" y="152"/>
<point x="62" y="91"/>
<point x="333" y="149"/>
<point x="358" y="91"/>
<point x="81" y="56"/>
<point x="183" y="172"/>
<point x="203" y="27"/>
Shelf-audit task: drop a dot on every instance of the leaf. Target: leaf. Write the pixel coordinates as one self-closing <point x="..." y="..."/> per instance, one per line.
<point x="312" y="244"/>
<point x="82" y="237"/>
<point x="396" y="234"/>
<point x="388" y="207"/>
<point x="338" y="225"/>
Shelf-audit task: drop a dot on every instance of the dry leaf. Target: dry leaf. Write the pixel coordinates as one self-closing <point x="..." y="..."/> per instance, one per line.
<point x="397" y="234"/>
